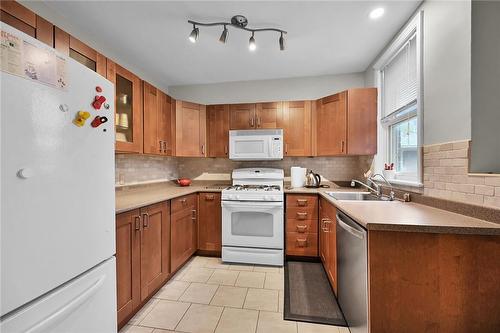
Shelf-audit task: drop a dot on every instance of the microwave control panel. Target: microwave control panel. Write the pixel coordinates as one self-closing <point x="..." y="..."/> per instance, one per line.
<point x="277" y="146"/>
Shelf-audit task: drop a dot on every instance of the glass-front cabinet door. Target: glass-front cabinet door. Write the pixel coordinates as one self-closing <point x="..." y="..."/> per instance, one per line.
<point x="128" y="106"/>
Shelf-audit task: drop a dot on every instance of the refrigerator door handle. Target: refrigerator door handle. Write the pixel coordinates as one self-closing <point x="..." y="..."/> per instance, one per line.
<point x="68" y="308"/>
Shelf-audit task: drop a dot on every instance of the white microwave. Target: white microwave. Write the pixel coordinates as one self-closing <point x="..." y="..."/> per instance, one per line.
<point x="256" y="145"/>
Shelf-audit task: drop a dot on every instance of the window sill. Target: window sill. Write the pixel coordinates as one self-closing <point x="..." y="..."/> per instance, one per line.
<point x="406" y="182"/>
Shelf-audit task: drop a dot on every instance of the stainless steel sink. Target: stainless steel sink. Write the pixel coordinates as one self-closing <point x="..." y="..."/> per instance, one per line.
<point x="357" y="196"/>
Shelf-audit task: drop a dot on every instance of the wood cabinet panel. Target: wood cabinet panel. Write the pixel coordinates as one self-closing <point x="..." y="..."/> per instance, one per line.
<point x="44" y="31"/>
<point x="165" y="124"/>
<point x="218" y="130"/>
<point x="183" y="203"/>
<point x="17" y="23"/>
<point x="155" y="247"/>
<point x="184" y="233"/>
<point x="242" y="116"/>
<point x="128" y="101"/>
<point x="128" y="266"/>
<point x="362" y="121"/>
<point x="302" y="213"/>
<point x="301" y="226"/>
<point x="422" y="282"/>
<point x="209" y="222"/>
<point x="190" y="119"/>
<point x="18" y="16"/>
<point x="296" y="124"/>
<point x="302" y="200"/>
<point x="331" y="125"/>
<point x="152" y="145"/>
<point x="268" y="115"/>
<point x="61" y="41"/>
<point x="328" y="240"/>
<point x="302" y="244"/>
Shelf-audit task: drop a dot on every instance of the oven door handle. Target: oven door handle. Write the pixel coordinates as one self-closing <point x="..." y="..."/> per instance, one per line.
<point x="252" y="204"/>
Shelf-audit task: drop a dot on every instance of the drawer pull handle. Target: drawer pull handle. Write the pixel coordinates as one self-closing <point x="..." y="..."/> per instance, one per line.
<point x="209" y="197"/>
<point x="301" y="215"/>
<point x="301" y="228"/>
<point x="301" y="202"/>
<point x="301" y="242"/>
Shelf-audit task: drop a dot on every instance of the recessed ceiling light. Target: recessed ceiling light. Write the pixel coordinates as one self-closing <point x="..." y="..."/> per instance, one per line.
<point x="377" y="13"/>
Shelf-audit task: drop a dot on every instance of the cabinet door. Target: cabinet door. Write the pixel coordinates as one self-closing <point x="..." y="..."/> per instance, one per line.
<point x="18" y="16"/>
<point x="296" y="124"/>
<point x="155" y="247"/>
<point x="328" y="240"/>
<point x="209" y="222"/>
<point x="268" y="115"/>
<point x="183" y="232"/>
<point x="218" y="130"/>
<point x="128" y="107"/>
<point x="362" y="121"/>
<point x="44" y="31"/>
<point x="323" y="235"/>
<point x="242" y="116"/>
<point x="331" y="125"/>
<point x="152" y="143"/>
<point x="128" y="266"/>
<point x="190" y="119"/>
<point x="165" y="124"/>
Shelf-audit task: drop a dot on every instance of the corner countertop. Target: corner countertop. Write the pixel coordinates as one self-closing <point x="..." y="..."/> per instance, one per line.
<point x="373" y="215"/>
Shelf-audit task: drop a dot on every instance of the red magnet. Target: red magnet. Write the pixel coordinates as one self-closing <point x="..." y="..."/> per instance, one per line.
<point x="98" y="89"/>
<point x="98" y="102"/>
<point x="98" y="120"/>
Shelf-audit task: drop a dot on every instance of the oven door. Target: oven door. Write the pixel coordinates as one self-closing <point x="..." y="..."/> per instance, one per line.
<point x="252" y="224"/>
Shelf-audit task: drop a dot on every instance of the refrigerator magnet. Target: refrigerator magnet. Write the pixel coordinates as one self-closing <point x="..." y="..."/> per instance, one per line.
<point x="98" y="101"/>
<point x="98" y="121"/>
<point x="80" y="118"/>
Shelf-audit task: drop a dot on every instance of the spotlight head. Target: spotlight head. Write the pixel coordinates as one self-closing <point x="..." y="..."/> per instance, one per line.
<point x="193" y="36"/>
<point x="282" y="42"/>
<point x="223" y="36"/>
<point x="251" y="44"/>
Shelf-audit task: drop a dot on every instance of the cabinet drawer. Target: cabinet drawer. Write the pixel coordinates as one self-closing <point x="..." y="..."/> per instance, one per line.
<point x="302" y="244"/>
<point x="184" y="202"/>
<point x="302" y="200"/>
<point x="302" y="226"/>
<point x="302" y="213"/>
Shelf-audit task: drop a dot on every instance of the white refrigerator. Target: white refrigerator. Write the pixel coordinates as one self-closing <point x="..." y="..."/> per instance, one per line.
<point x="57" y="224"/>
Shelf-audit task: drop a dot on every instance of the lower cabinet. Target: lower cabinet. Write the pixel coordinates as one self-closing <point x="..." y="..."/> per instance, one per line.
<point x="142" y="255"/>
<point x="209" y="222"/>
<point x="302" y="225"/>
<point x="328" y="240"/>
<point x="184" y="229"/>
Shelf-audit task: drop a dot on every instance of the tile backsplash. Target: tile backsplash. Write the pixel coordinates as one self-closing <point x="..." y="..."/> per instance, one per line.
<point x="133" y="169"/>
<point x="446" y="176"/>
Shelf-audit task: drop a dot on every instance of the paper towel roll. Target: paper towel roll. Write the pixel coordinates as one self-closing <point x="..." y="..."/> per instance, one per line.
<point x="298" y="177"/>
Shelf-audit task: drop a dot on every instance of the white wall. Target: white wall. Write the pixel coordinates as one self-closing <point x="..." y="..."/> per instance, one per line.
<point x="446" y="71"/>
<point x="267" y="90"/>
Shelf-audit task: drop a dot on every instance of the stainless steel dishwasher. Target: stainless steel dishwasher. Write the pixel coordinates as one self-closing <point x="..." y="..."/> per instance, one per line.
<point x="352" y="273"/>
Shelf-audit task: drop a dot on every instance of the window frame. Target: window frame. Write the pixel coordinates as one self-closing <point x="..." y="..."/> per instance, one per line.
<point x="413" y="28"/>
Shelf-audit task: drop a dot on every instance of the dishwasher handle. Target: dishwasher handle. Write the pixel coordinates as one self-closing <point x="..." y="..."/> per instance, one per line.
<point x="353" y="231"/>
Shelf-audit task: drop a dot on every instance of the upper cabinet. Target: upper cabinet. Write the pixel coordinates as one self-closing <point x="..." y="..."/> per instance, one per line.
<point x="242" y="116"/>
<point x="128" y="108"/>
<point x="346" y="123"/>
<point x="190" y="129"/>
<point x="218" y="130"/>
<point x="255" y="116"/>
<point x="157" y="119"/>
<point x="296" y="124"/>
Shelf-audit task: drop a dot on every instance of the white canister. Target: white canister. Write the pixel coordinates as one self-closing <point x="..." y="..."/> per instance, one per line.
<point x="298" y="177"/>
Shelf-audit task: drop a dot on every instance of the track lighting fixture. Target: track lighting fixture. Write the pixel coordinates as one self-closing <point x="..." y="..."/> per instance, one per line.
<point x="239" y="22"/>
<point x="251" y="43"/>
<point x="282" y="43"/>
<point x="193" y="36"/>
<point x="223" y="36"/>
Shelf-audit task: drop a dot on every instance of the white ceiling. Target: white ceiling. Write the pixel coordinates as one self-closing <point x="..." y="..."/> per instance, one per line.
<point x="329" y="37"/>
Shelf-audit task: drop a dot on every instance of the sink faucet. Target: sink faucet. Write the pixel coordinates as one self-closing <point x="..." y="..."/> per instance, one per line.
<point x="377" y="190"/>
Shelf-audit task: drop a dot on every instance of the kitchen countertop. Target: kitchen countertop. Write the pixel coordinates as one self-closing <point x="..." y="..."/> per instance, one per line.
<point x="373" y="215"/>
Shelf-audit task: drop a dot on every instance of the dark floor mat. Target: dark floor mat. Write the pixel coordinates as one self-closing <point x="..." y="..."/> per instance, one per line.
<point x="309" y="296"/>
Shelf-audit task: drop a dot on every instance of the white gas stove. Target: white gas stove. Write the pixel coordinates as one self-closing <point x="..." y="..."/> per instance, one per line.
<point x="252" y="217"/>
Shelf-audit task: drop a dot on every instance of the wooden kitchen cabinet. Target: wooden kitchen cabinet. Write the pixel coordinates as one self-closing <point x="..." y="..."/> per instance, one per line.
<point x="218" y="130"/>
<point x="128" y="263"/>
<point x="242" y="116"/>
<point x="128" y="108"/>
<point x="157" y="121"/>
<point x="155" y="247"/>
<point x="18" y="16"/>
<point x="268" y="115"/>
<point x="190" y="129"/>
<point x="184" y="218"/>
<point x="210" y="222"/>
<point x="328" y="240"/>
<point x="301" y="225"/>
<point x="346" y="123"/>
<point x="296" y="123"/>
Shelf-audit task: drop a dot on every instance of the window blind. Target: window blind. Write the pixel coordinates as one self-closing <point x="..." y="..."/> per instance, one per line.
<point x="400" y="78"/>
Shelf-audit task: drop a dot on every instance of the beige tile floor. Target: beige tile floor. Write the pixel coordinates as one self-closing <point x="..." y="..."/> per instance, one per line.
<point x="209" y="296"/>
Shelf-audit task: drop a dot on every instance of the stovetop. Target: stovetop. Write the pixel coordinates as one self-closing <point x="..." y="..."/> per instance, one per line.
<point x="265" y="188"/>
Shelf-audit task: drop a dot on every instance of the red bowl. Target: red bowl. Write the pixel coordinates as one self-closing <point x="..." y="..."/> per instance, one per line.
<point x="184" y="181"/>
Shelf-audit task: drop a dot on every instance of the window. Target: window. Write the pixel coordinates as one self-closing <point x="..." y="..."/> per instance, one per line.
<point x="400" y="112"/>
